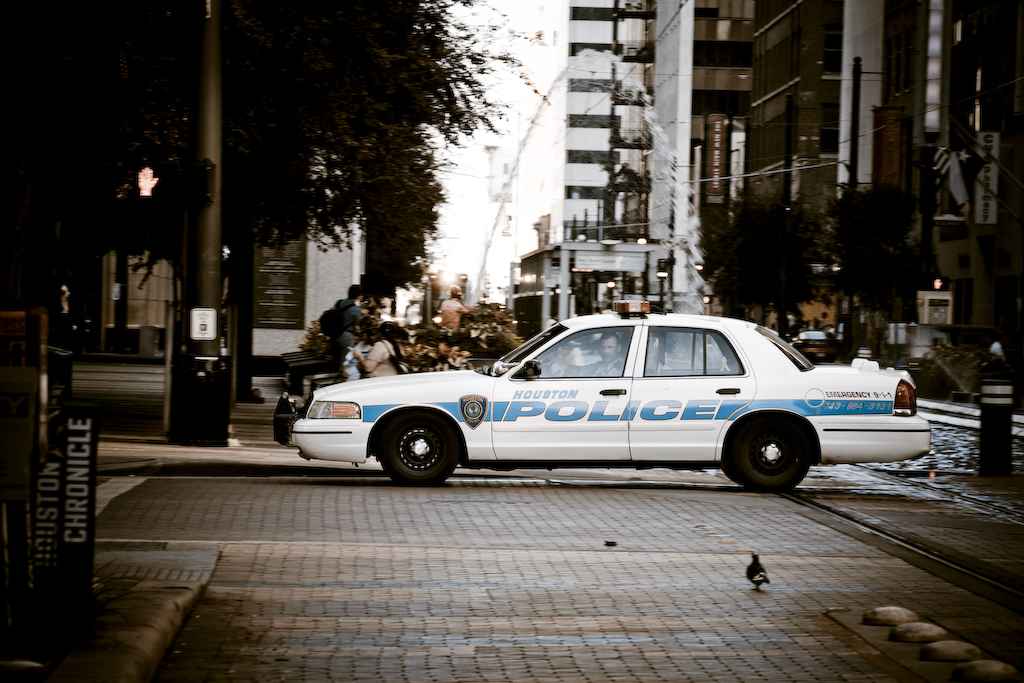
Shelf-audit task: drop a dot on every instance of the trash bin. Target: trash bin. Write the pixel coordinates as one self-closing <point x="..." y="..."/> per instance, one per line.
<point x="200" y="400"/>
<point x="996" y="438"/>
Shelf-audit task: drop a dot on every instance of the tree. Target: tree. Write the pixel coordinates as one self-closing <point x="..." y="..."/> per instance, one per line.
<point x="333" y="114"/>
<point x="872" y="246"/>
<point x="761" y="254"/>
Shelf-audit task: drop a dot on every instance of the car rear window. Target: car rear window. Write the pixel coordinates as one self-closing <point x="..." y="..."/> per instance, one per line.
<point x="795" y="357"/>
<point x="689" y="352"/>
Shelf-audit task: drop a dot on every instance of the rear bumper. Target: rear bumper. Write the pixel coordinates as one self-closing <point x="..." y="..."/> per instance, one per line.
<point x="877" y="438"/>
<point x="339" y="440"/>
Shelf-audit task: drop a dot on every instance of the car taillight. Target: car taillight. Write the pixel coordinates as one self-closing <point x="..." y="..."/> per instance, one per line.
<point x="906" y="399"/>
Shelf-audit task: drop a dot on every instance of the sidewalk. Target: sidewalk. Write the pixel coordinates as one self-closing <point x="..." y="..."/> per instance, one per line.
<point x="145" y="593"/>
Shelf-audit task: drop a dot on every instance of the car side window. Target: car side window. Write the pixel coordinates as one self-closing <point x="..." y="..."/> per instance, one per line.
<point x="588" y="353"/>
<point x="721" y="357"/>
<point x="689" y="352"/>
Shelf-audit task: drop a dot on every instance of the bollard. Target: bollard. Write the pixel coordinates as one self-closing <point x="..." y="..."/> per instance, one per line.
<point x="996" y="436"/>
<point x="864" y="352"/>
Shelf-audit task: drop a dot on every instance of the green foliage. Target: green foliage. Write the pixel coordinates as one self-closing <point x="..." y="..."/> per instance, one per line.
<point x="870" y="241"/>
<point x="333" y="113"/>
<point x="761" y="253"/>
<point x="488" y="331"/>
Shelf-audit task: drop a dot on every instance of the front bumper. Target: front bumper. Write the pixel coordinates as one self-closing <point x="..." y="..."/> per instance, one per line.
<point x="339" y="440"/>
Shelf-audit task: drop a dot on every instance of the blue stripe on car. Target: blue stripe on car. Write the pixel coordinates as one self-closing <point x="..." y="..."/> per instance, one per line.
<point x="659" y="409"/>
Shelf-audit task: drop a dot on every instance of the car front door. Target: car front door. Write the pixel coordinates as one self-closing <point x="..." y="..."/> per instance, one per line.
<point x="577" y="408"/>
<point x="687" y="384"/>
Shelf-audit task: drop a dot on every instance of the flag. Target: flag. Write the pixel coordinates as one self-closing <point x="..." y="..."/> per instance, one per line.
<point x="957" y="187"/>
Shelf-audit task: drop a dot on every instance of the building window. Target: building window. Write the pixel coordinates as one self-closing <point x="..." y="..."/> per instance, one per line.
<point x="587" y="156"/>
<point x="731" y="102"/>
<point x="592" y="121"/>
<point x="591" y="14"/>
<point x="590" y="84"/>
<point x="576" y="48"/>
<point x="585" y="191"/>
<point x="829" y="142"/>
<point x="832" y="58"/>
<point x="705" y="12"/>
<point x="976" y="114"/>
<point x="722" y="53"/>
<point x="958" y="31"/>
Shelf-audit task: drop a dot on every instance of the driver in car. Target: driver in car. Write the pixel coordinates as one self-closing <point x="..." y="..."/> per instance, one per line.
<point x="610" y="363"/>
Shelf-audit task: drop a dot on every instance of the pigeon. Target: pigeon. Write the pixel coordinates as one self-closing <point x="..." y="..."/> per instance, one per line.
<point x="756" y="573"/>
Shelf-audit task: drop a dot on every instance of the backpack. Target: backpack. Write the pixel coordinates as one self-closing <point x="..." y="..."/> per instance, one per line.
<point x="400" y="366"/>
<point x="332" y="321"/>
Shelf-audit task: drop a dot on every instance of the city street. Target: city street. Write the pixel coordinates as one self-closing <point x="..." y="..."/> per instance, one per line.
<point x="572" y="575"/>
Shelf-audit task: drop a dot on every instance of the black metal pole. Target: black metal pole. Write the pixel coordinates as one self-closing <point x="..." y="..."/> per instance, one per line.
<point x="782" y="320"/>
<point x="208" y="283"/>
<point x="855" y="124"/>
<point x="927" y="199"/>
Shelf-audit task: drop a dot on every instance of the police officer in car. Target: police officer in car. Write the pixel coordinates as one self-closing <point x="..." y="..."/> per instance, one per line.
<point x="610" y="363"/>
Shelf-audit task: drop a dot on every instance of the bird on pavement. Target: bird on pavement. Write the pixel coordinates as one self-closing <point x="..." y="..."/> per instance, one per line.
<point x="756" y="573"/>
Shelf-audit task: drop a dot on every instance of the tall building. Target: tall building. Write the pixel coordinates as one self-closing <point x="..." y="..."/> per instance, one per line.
<point x="979" y="246"/>
<point x="598" y="246"/>
<point x="702" y="100"/>
<point x="656" y="99"/>
<point x="798" y="53"/>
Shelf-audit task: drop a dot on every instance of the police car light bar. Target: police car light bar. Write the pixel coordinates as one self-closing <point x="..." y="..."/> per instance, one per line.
<point x="633" y="307"/>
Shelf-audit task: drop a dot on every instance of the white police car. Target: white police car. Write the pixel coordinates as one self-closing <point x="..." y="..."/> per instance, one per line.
<point x="627" y="390"/>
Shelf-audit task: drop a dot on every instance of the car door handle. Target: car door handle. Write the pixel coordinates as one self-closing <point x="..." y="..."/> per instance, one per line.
<point x="728" y="390"/>
<point x="613" y="392"/>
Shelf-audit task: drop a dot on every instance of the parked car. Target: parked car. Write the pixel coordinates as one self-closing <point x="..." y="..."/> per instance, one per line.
<point x="627" y="390"/>
<point x="817" y="345"/>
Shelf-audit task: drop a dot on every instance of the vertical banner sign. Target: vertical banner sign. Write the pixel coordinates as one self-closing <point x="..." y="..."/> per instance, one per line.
<point x="280" y="288"/>
<point x="716" y="158"/>
<point x="63" y="517"/>
<point x="986" y="207"/>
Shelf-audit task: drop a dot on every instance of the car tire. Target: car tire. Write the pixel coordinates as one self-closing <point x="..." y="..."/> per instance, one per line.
<point x="771" y="455"/>
<point x="419" y="449"/>
<point x="728" y="467"/>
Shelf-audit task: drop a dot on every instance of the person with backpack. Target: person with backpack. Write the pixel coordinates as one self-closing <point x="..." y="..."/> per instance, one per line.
<point x="338" y="322"/>
<point x="385" y="356"/>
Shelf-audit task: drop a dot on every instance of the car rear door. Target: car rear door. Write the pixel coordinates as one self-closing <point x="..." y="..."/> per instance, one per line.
<point x="687" y="382"/>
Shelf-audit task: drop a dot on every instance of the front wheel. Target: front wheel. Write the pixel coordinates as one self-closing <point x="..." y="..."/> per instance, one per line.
<point x="419" y="449"/>
<point x="771" y="455"/>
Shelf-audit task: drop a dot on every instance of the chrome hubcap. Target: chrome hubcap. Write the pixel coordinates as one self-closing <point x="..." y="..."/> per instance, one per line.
<point x="420" y="449"/>
<point x="771" y="453"/>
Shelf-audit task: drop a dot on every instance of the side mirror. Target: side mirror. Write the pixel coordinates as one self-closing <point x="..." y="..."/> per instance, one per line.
<point x="530" y="370"/>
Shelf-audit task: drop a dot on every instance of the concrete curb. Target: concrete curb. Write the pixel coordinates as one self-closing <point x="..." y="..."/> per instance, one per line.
<point x="132" y="634"/>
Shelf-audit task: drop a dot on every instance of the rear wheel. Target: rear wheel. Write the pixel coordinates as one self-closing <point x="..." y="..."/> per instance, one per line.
<point x="419" y="449"/>
<point x="771" y="455"/>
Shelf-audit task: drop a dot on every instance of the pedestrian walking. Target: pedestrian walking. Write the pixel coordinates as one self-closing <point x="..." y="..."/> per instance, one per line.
<point x="385" y="356"/>
<point x="452" y="309"/>
<point x="338" y="323"/>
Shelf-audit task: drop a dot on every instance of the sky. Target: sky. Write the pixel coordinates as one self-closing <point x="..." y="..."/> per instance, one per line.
<point x="468" y="215"/>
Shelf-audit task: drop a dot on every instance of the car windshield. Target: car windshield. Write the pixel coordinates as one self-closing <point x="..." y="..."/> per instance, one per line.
<point x="502" y="365"/>
<point x="795" y="357"/>
<point x="812" y="335"/>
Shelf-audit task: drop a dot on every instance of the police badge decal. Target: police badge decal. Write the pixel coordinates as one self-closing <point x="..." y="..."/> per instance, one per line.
<point x="473" y="409"/>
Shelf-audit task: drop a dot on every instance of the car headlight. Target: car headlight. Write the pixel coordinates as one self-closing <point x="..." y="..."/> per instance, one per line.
<point x="334" y="410"/>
